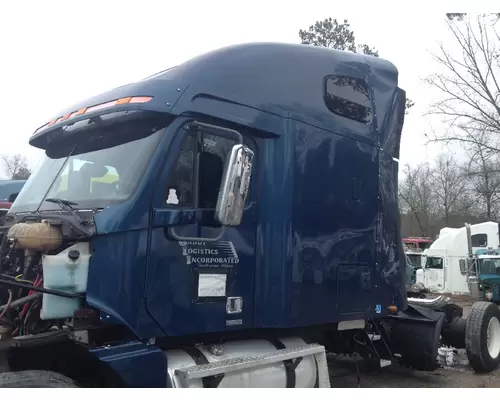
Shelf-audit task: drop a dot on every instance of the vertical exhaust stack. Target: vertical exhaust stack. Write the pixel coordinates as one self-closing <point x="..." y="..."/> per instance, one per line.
<point x="472" y="278"/>
<point x="498" y="227"/>
<point x="469" y="240"/>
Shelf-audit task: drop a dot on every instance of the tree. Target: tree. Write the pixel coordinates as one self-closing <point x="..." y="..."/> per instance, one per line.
<point x="16" y="167"/>
<point x="416" y="195"/>
<point x="339" y="36"/>
<point x="484" y="175"/>
<point x="469" y="87"/>
<point x="461" y="16"/>
<point x="449" y="183"/>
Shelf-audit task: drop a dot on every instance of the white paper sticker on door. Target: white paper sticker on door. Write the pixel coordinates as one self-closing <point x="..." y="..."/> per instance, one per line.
<point x="212" y="285"/>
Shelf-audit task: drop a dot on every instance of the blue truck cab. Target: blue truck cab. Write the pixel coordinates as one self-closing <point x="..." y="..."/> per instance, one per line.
<point x="241" y="204"/>
<point x="484" y="275"/>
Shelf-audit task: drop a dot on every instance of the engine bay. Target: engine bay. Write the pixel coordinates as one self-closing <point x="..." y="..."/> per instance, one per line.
<point x="43" y="272"/>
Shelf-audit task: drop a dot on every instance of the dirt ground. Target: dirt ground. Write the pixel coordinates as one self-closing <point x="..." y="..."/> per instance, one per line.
<point x="345" y="373"/>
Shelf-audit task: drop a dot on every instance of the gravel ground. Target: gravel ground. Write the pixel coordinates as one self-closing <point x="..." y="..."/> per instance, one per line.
<point x="343" y="375"/>
<point x="344" y="372"/>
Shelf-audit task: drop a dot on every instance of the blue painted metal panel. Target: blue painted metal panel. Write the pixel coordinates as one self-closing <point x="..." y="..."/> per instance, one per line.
<point x="335" y="228"/>
<point x="138" y="365"/>
<point x="274" y="232"/>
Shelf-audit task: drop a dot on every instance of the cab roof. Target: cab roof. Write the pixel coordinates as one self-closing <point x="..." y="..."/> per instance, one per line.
<point x="246" y="80"/>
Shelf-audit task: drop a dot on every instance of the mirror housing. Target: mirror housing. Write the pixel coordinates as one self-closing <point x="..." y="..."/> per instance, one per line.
<point x="234" y="188"/>
<point x="463" y="267"/>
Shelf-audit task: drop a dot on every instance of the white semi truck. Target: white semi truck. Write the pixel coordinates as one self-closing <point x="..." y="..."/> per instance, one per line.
<point x="440" y="270"/>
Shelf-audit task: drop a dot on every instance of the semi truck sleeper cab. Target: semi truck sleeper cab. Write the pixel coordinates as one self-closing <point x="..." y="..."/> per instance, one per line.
<point x="222" y="223"/>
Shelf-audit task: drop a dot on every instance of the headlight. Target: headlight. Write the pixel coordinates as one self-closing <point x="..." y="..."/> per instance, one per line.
<point x="489" y="295"/>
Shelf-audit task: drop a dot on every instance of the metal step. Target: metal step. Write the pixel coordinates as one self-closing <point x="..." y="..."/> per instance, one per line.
<point x="385" y="363"/>
<point x="186" y="375"/>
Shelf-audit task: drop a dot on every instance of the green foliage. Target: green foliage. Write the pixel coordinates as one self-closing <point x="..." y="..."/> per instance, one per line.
<point x="16" y="167"/>
<point x="334" y="35"/>
<point x="339" y="36"/>
<point x="22" y="174"/>
<point x="461" y="16"/>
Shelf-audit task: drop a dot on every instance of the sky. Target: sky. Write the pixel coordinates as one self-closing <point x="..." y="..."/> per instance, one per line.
<point x="56" y="53"/>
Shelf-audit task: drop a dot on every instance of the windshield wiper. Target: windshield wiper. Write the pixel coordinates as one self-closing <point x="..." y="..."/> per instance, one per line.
<point x="68" y="206"/>
<point x="65" y="204"/>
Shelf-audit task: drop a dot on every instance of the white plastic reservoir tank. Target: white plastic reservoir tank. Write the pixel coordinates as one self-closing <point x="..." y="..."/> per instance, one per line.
<point x="66" y="272"/>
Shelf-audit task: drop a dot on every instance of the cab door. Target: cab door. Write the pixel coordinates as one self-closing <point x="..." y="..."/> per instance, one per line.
<point x="434" y="273"/>
<point x="200" y="276"/>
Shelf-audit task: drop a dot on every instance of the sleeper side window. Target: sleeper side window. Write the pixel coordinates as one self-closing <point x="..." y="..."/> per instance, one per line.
<point x="348" y="97"/>
<point x="479" y="240"/>
<point x="196" y="178"/>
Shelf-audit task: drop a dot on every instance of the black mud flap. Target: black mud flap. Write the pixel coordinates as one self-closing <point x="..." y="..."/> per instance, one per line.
<point x="415" y="335"/>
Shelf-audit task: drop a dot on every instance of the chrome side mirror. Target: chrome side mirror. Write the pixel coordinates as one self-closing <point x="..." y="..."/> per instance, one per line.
<point x="234" y="188"/>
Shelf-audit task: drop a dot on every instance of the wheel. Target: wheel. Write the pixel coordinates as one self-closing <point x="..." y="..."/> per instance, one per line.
<point x="482" y="337"/>
<point x="35" y="379"/>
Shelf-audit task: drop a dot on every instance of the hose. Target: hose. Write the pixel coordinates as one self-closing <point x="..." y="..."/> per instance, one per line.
<point x="2" y="247"/>
<point x="21" y="301"/>
<point x="9" y="302"/>
<point x="42" y="290"/>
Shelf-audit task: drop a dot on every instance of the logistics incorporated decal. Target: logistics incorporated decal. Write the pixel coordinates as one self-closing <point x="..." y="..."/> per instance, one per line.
<point x="210" y="254"/>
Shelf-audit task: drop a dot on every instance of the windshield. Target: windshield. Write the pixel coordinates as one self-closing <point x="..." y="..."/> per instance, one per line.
<point x="415" y="259"/>
<point x="488" y="266"/>
<point x="95" y="169"/>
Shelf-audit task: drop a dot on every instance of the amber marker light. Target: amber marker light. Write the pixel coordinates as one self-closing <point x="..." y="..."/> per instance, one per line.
<point x="97" y="107"/>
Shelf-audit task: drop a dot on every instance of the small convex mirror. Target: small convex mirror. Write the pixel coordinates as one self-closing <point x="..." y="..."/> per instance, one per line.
<point x="234" y="188"/>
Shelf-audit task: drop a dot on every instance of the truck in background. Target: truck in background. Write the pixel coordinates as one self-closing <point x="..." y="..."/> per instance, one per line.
<point x="9" y="190"/>
<point x="417" y="244"/>
<point x="440" y="270"/>
<point x="413" y="247"/>
<point x="481" y="269"/>
<point x="251" y="226"/>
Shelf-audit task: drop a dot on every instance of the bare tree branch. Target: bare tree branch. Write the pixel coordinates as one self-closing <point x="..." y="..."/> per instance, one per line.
<point x="470" y="85"/>
<point x="450" y="186"/>
<point x="416" y="195"/>
<point x="16" y="167"/>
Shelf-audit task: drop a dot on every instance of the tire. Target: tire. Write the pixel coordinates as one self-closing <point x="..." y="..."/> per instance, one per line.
<point x="35" y="379"/>
<point x="483" y="356"/>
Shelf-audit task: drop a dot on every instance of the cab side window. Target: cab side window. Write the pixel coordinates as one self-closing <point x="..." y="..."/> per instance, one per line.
<point x="434" y="263"/>
<point x="212" y="157"/>
<point x="196" y="178"/>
